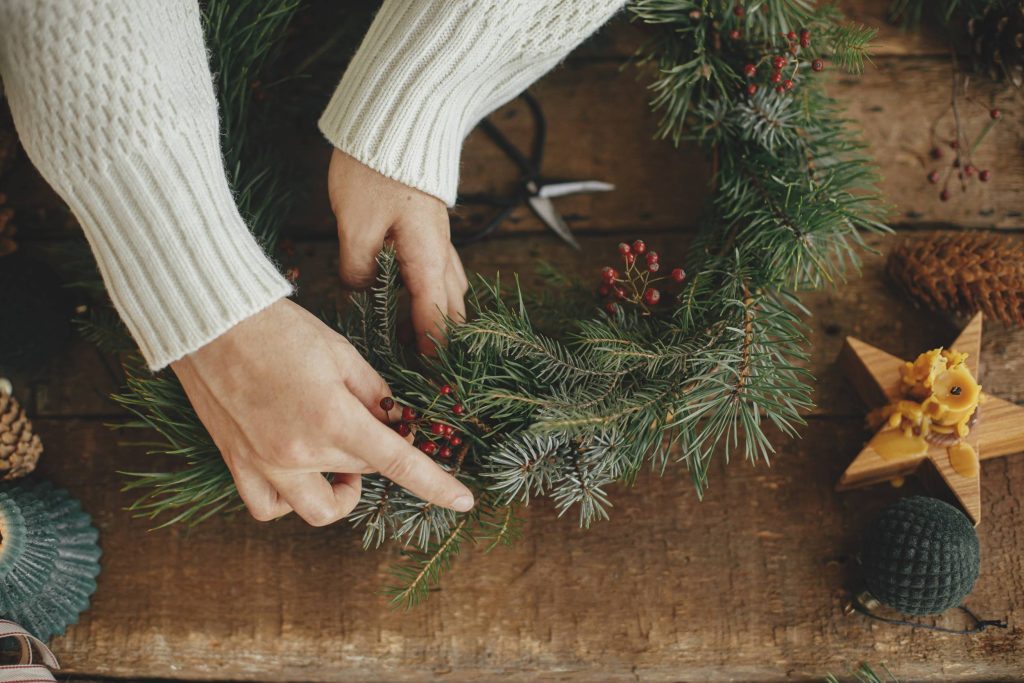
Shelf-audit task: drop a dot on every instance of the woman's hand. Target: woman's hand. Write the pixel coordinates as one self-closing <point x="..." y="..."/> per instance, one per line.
<point x="371" y="208"/>
<point x="286" y="399"/>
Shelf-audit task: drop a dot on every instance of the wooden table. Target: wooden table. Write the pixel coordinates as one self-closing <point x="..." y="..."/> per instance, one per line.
<point x="746" y="585"/>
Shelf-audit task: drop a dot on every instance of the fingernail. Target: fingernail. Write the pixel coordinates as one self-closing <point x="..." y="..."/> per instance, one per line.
<point x="463" y="504"/>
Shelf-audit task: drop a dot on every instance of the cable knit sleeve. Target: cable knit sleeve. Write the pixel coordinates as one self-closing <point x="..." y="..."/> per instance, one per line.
<point x="428" y="71"/>
<point x="114" y="103"/>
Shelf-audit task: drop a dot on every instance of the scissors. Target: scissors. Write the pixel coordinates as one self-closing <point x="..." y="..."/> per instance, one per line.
<point x="534" y="189"/>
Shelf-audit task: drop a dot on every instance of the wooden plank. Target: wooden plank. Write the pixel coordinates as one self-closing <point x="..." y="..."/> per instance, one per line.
<point x="621" y="37"/>
<point x="599" y="127"/>
<point x="746" y="585"/>
<point x="867" y="307"/>
<point x="896" y="104"/>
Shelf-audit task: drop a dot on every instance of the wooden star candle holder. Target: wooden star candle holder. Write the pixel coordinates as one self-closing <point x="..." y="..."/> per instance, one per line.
<point x="988" y="427"/>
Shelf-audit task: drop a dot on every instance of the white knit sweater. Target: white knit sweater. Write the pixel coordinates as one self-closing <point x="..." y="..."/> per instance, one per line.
<point x="114" y="103"/>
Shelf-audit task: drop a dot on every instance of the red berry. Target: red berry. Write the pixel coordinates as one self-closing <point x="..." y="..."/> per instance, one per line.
<point x="437" y="428"/>
<point x="752" y="89"/>
<point x="408" y="414"/>
<point x="787" y="84"/>
<point x="403" y="429"/>
<point x="629" y="259"/>
<point x="805" y="38"/>
<point x="611" y="307"/>
<point x="653" y="267"/>
<point x="445" y="389"/>
<point x="620" y="293"/>
<point x="455" y="441"/>
<point x="984" y="175"/>
<point x="445" y="452"/>
<point x="817" y="65"/>
<point x="623" y="248"/>
<point x="779" y="62"/>
<point x="652" y="257"/>
<point x="678" y="274"/>
<point x="652" y="296"/>
<point x="969" y="170"/>
<point x="944" y="195"/>
<point x="428" y="447"/>
<point x="776" y="77"/>
<point x="387" y="403"/>
<point x="639" y="246"/>
<point x="791" y="36"/>
<point x="933" y="177"/>
<point x="609" y="274"/>
<point x="935" y="153"/>
<point x="458" y="409"/>
<point x="735" y="34"/>
<point x="603" y="290"/>
<point x="738" y="10"/>
<point x="779" y="89"/>
<point x="449" y="430"/>
<point x="995" y="114"/>
<point x="750" y="70"/>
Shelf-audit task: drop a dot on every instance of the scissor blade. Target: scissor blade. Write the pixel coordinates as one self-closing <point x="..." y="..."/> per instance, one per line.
<point x="543" y="207"/>
<point x="574" y="187"/>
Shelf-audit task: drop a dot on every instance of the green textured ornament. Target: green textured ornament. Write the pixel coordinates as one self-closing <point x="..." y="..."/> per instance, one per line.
<point x="920" y="556"/>
<point x="49" y="558"/>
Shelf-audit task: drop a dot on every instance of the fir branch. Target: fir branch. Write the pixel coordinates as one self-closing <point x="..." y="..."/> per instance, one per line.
<point x="422" y="569"/>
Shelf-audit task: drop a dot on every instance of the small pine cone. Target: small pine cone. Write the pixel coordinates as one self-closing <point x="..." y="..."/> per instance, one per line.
<point x="962" y="272"/>
<point x="19" y="447"/>
<point x="997" y="41"/>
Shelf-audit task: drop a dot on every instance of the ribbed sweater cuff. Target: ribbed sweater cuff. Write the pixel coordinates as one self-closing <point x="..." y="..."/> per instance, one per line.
<point x="420" y="81"/>
<point x="178" y="260"/>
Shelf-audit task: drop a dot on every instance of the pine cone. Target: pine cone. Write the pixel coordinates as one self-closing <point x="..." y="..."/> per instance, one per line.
<point x="19" y="447"/>
<point x="997" y="41"/>
<point x="963" y="272"/>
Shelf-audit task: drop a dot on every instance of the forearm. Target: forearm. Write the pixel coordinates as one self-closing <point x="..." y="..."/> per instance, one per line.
<point x="428" y="71"/>
<point x="113" y="102"/>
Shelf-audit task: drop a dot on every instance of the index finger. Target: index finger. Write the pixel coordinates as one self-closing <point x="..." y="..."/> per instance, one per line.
<point x="393" y="456"/>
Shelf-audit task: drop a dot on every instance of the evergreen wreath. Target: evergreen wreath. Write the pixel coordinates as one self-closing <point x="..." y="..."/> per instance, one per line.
<point x="528" y="399"/>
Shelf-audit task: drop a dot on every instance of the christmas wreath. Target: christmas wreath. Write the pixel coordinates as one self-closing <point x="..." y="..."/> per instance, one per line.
<point x="666" y="369"/>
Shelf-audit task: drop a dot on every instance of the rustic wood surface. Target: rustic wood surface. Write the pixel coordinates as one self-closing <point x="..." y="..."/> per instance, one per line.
<point x="747" y="585"/>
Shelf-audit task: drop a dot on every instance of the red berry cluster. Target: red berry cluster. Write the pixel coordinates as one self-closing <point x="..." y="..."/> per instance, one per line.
<point x="635" y="285"/>
<point x="784" y="67"/>
<point x="430" y="436"/>
<point x="960" y="167"/>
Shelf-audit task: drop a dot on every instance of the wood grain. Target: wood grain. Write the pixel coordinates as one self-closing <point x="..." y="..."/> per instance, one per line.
<point x="600" y="127"/>
<point x="867" y="306"/>
<point x="741" y="586"/>
<point x="875" y="373"/>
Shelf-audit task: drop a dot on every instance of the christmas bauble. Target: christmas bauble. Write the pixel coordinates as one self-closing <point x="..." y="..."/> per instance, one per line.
<point x="49" y="558"/>
<point x="35" y="313"/>
<point x="920" y="556"/>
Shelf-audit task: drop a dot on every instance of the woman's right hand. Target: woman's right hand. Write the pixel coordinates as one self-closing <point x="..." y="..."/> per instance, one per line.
<point x="287" y="399"/>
